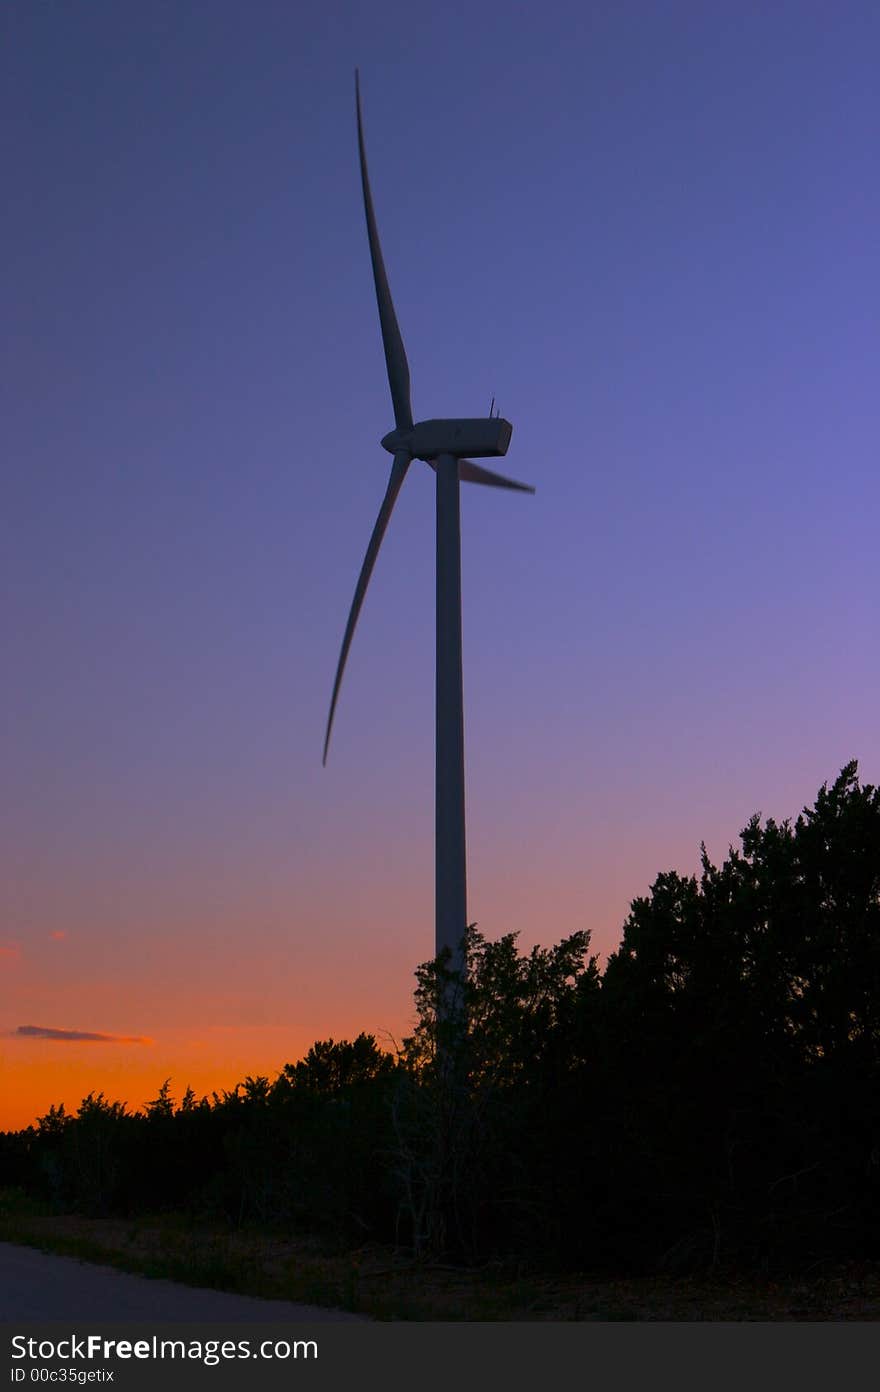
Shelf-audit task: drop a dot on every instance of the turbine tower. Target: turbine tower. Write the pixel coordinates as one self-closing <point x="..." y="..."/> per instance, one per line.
<point x="446" y="445"/>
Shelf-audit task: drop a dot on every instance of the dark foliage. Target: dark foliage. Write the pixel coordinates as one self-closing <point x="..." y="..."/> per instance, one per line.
<point x="712" y="1097"/>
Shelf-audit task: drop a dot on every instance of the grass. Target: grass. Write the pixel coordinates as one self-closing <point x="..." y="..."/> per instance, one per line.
<point x="386" y="1285"/>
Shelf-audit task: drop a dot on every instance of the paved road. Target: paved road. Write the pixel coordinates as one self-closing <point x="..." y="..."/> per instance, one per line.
<point x="38" y="1286"/>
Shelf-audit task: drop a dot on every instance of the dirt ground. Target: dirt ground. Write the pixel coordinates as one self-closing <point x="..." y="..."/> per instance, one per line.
<point x="381" y="1284"/>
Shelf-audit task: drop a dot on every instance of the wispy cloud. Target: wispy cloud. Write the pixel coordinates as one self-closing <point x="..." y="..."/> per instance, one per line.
<point x="10" y="952"/>
<point x="58" y="934"/>
<point x="78" y="1036"/>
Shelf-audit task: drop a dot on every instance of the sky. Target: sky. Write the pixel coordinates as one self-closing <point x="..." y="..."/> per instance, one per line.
<point x="649" y="230"/>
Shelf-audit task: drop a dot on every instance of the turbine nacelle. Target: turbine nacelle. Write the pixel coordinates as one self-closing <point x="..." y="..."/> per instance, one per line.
<point x="485" y="437"/>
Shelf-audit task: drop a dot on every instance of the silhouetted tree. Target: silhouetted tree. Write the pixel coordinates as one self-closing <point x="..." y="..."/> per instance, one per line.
<point x="471" y="1115"/>
<point x="741" y="1009"/>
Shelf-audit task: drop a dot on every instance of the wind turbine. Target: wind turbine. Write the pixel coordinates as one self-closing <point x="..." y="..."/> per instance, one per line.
<point x="446" y="446"/>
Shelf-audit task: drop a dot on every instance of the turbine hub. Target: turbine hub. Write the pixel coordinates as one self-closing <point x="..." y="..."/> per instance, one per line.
<point x="397" y="440"/>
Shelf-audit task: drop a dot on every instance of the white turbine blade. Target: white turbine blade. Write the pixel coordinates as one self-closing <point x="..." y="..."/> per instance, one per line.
<point x="398" y="474"/>
<point x="469" y="472"/>
<point x="395" y="353"/>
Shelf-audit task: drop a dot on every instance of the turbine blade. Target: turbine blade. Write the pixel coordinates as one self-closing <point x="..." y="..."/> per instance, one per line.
<point x="398" y="473"/>
<point x="469" y="472"/>
<point x="395" y="353"/>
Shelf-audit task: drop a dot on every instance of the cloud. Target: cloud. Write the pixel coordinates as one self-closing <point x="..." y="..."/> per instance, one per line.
<point x="78" y="1036"/>
<point x="58" y="934"/>
<point x="10" y="952"/>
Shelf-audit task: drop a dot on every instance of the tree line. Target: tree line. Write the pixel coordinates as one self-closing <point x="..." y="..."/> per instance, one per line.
<point x="712" y="1097"/>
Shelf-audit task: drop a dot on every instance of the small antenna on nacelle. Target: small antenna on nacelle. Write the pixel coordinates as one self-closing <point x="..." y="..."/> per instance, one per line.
<point x="491" y="407"/>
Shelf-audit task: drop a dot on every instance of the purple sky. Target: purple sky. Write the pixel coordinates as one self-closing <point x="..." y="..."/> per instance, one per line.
<point x="650" y="231"/>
